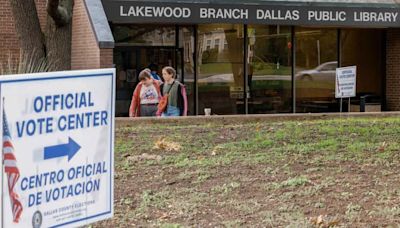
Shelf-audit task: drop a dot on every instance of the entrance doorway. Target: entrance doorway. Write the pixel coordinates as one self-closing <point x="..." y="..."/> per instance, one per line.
<point x="130" y="60"/>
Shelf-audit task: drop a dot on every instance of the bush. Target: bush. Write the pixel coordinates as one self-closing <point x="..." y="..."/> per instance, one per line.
<point x="26" y="64"/>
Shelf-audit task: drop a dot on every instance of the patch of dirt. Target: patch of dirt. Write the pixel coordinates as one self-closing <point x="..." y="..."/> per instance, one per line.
<point x="293" y="190"/>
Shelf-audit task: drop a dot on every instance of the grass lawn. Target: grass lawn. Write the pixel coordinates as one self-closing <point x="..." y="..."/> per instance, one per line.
<point x="342" y="172"/>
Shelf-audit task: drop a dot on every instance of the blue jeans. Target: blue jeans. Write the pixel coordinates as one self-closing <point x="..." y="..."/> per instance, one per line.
<point x="171" y="111"/>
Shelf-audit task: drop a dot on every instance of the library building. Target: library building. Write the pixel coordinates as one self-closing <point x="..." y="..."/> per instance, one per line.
<point x="246" y="56"/>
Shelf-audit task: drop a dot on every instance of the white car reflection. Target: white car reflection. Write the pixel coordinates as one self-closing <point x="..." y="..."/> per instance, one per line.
<point x="323" y="72"/>
<point x="228" y="78"/>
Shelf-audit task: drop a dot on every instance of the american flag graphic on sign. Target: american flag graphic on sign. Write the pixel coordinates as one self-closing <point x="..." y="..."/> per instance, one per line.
<point x="11" y="169"/>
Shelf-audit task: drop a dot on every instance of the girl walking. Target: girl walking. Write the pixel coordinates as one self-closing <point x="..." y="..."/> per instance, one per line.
<point x="176" y="93"/>
<point x="146" y="96"/>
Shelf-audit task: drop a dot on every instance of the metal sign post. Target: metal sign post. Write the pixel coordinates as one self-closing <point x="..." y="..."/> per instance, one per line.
<point x="349" y="105"/>
<point x="341" y="105"/>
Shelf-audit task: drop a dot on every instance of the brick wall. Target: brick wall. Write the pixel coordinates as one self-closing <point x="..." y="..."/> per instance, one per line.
<point x="9" y="46"/>
<point x="86" y="53"/>
<point x="106" y="58"/>
<point x="393" y="70"/>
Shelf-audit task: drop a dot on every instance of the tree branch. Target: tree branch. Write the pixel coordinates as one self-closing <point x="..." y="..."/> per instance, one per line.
<point x="60" y="11"/>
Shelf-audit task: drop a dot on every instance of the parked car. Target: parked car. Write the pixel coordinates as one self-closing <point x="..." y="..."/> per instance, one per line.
<point x="323" y="72"/>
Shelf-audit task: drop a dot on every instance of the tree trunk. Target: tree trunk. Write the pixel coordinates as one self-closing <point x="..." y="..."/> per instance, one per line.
<point x="55" y="44"/>
<point x="28" y="29"/>
<point x="58" y="43"/>
<point x="59" y="33"/>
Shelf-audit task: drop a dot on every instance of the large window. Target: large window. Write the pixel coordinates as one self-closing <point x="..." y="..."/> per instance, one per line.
<point x="280" y="70"/>
<point x="269" y="69"/>
<point x="144" y="35"/>
<point x="220" y="72"/>
<point x="316" y="63"/>
<point x="186" y="44"/>
<point x="364" y="48"/>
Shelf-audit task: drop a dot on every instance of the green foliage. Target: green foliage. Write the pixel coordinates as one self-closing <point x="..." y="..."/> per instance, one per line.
<point x="153" y="199"/>
<point x="168" y="225"/>
<point x="26" y="64"/>
<point x="293" y="182"/>
<point x="225" y="188"/>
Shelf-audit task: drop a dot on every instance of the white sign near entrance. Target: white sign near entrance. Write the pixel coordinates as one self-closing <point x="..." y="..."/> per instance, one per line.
<point x="346" y="82"/>
<point x="58" y="140"/>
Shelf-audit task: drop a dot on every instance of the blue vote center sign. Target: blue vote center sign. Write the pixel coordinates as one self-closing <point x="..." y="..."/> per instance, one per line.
<point x="58" y="148"/>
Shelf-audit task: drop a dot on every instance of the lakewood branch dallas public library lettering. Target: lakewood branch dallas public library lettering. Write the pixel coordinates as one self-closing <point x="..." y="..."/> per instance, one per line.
<point x="253" y="57"/>
<point x="243" y="14"/>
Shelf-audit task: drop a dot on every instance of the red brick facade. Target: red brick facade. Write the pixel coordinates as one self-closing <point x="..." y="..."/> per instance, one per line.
<point x="85" y="50"/>
<point x="9" y="47"/>
<point x="393" y="70"/>
<point x="106" y="58"/>
<point x="86" y="53"/>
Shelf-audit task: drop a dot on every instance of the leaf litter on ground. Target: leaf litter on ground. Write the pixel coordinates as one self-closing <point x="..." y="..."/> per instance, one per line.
<point x="167" y="145"/>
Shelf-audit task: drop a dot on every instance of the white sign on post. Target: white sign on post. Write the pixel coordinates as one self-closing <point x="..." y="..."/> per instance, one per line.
<point x="346" y="82"/>
<point x="58" y="146"/>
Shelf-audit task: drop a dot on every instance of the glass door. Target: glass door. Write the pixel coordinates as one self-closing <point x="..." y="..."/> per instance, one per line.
<point x="179" y="65"/>
<point x="316" y="63"/>
<point x="151" y="46"/>
<point x="220" y="78"/>
<point x="130" y="61"/>
<point x="186" y="51"/>
<point x="269" y="69"/>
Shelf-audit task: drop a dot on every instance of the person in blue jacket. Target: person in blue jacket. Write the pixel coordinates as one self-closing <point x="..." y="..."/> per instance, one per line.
<point x="153" y="71"/>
